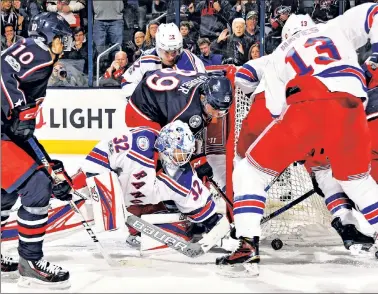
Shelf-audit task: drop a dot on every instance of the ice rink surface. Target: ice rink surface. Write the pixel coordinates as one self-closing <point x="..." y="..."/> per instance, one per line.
<point x="292" y="269"/>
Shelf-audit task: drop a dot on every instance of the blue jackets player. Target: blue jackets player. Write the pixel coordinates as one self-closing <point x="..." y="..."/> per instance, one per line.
<point x="166" y="95"/>
<point x="26" y="67"/>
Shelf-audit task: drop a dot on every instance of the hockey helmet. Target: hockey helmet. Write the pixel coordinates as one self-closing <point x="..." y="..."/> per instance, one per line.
<point x="168" y="39"/>
<point x="296" y="23"/>
<point x="218" y="93"/>
<point x="176" y="142"/>
<point x="48" y="25"/>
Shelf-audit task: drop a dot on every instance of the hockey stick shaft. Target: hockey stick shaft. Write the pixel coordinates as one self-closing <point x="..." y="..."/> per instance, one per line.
<point x="229" y="202"/>
<point x="274" y="213"/>
<point x="286" y="207"/>
<point x="38" y="152"/>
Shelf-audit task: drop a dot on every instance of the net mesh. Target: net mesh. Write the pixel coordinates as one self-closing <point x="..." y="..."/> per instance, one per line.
<point x="296" y="223"/>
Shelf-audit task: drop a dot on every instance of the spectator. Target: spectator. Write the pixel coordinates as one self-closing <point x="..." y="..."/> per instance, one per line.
<point x="113" y="75"/>
<point x="69" y="9"/>
<point x="239" y="9"/>
<point x="79" y="48"/>
<point x="254" y="51"/>
<point x="252" y="5"/>
<point x="149" y="41"/>
<point x="276" y="4"/>
<point x="138" y="40"/>
<point x="9" y="37"/>
<point x="235" y="47"/>
<point x="134" y="49"/>
<point x="130" y="19"/>
<point x="108" y="23"/>
<point x="158" y="8"/>
<point x="22" y="29"/>
<point x="325" y="10"/>
<point x="207" y="57"/>
<point x="142" y="12"/>
<point x="61" y="78"/>
<point x="252" y="30"/>
<point x="189" y="43"/>
<point x="8" y="16"/>
<point x="212" y="15"/>
<point x="277" y="22"/>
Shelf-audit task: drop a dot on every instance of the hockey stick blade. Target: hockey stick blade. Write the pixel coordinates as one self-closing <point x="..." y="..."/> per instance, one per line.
<point x="172" y="241"/>
<point x="184" y="247"/>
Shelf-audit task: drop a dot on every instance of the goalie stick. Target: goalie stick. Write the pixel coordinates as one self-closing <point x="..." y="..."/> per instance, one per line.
<point x="38" y="152"/>
<point x="209" y="239"/>
<point x="177" y="243"/>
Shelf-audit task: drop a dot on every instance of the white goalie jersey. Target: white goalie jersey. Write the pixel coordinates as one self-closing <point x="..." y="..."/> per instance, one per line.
<point x="132" y="156"/>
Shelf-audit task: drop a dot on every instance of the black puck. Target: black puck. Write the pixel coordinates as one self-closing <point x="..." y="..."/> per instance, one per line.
<point x="277" y="244"/>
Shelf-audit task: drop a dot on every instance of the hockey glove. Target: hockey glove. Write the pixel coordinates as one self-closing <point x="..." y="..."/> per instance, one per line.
<point x="61" y="190"/>
<point x="23" y="118"/>
<point x="202" y="168"/>
<point x="371" y="73"/>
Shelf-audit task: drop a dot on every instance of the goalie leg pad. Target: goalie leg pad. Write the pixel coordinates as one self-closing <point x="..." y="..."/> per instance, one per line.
<point x="174" y="223"/>
<point x="139" y="210"/>
<point x="107" y="201"/>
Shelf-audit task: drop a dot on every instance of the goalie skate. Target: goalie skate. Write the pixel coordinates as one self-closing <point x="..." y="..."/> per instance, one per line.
<point x="42" y="274"/>
<point x="133" y="241"/>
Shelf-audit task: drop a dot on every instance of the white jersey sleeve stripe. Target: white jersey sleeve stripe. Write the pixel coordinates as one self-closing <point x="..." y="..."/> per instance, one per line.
<point x="344" y="70"/>
<point x="373" y="11"/>
<point x="99" y="157"/>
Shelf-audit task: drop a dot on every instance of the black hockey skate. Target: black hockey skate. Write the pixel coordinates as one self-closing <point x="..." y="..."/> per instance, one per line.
<point x="351" y="236"/>
<point x="8" y="264"/>
<point x="42" y="273"/>
<point x="244" y="260"/>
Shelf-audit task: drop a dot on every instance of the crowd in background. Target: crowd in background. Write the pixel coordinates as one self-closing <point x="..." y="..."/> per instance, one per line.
<point x="218" y="31"/>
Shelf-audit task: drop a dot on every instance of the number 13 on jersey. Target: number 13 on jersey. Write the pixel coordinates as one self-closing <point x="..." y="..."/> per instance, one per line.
<point x="327" y="53"/>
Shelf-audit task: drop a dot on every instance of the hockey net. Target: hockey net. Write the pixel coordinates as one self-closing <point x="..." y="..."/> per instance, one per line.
<point x="306" y="223"/>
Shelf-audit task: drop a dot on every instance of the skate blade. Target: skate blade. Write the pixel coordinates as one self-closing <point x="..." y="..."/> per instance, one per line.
<point x="10" y="275"/>
<point x="28" y="282"/>
<point x="360" y="250"/>
<point x="244" y="270"/>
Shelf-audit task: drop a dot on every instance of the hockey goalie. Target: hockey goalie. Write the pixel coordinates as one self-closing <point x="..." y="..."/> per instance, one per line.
<point x="120" y="173"/>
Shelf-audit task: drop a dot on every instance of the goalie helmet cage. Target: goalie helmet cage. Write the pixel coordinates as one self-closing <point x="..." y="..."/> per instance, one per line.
<point x="306" y="223"/>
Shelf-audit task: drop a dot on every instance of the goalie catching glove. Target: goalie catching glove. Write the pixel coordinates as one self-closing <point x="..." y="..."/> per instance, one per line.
<point x="62" y="188"/>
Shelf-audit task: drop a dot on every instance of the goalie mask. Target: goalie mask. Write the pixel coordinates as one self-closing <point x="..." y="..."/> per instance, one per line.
<point x="176" y="143"/>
